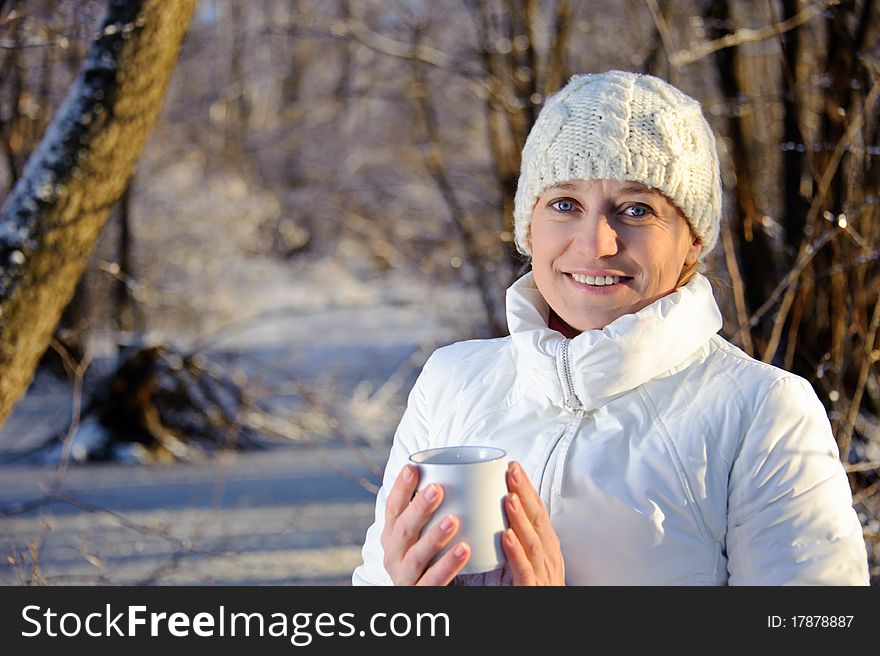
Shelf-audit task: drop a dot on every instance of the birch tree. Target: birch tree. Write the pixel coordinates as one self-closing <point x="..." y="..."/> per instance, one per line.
<point x="51" y="220"/>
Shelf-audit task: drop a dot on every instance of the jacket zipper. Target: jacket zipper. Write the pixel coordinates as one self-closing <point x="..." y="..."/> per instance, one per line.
<point x="572" y="404"/>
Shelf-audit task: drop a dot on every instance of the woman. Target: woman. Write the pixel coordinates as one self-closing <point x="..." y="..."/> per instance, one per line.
<point x="646" y="449"/>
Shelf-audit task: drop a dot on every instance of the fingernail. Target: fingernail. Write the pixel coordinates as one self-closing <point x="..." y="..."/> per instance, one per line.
<point x="446" y="524"/>
<point x="508" y="535"/>
<point x="460" y="551"/>
<point x="514" y="473"/>
<point x="514" y="502"/>
<point x="407" y="473"/>
<point x="431" y="492"/>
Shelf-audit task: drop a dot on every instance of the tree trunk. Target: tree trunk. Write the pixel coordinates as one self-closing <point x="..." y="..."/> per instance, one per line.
<point x="52" y="218"/>
<point x="795" y="205"/>
<point x="124" y="302"/>
<point x="754" y="246"/>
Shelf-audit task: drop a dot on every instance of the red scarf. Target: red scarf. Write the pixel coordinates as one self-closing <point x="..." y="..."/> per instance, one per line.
<point x="559" y="325"/>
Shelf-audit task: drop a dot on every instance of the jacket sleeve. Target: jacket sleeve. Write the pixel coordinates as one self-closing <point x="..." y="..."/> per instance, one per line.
<point x="790" y="518"/>
<point x="411" y="436"/>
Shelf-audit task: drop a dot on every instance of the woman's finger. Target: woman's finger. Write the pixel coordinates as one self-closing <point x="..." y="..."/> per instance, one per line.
<point x="444" y="570"/>
<point x="406" y="530"/>
<point x="518" y="563"/>
<point x="401" y="493"/>
<point x="403" y="528"/>
<point x="412" y="520"/>
<point x="417" y="557"/>
<point x="526" y="535"/>
<point x="519" y="484"/>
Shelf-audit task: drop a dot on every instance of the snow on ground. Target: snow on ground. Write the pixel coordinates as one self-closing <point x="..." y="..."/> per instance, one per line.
<point x="290" y="515"/>
<point x="286" y="516"/>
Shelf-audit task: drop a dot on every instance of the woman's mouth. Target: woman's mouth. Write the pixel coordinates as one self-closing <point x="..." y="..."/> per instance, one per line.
<point x="597" y="282"/>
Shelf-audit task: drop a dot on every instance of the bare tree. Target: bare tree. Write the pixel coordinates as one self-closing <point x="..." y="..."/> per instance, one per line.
<point x="50" y="221"/>
<point x="517" y="82"/>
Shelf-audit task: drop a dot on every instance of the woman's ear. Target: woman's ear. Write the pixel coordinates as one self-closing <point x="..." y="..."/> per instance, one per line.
<point x="694" y="251"/>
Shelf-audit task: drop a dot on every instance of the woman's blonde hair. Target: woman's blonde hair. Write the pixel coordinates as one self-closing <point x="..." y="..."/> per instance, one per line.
<point x="688" y="271"/>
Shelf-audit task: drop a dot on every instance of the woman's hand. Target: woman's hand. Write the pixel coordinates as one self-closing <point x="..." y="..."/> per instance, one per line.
<point x="534" y="556"/>
<point x="406" y="553"/>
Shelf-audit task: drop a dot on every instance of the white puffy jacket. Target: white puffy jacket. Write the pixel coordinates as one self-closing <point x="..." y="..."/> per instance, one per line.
<point x="664" y="454"/>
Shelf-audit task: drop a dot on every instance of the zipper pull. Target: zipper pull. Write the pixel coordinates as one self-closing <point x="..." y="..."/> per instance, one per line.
<point x="571" y="401"/>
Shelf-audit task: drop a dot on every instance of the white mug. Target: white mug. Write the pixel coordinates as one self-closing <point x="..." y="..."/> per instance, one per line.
<point x="474" y="485"/>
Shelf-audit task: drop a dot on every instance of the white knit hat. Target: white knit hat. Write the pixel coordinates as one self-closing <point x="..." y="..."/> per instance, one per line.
<point x="629" y="127"/>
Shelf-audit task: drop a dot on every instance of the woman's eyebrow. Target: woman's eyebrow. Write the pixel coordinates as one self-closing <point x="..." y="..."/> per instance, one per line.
<point x="636" y="189"/>
<point x="565" y="186"/>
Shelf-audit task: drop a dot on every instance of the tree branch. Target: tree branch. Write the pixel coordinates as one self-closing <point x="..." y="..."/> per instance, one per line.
<point x="747" y="35"/>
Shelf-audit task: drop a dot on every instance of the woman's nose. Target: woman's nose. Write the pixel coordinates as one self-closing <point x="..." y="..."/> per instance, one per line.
<point x="595" y="236"/>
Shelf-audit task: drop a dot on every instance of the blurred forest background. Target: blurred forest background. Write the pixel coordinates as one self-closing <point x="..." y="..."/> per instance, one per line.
<point x="327" y="196"/>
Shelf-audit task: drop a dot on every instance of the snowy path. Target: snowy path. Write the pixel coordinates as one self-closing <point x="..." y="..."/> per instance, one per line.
<point x="286" y="516"/>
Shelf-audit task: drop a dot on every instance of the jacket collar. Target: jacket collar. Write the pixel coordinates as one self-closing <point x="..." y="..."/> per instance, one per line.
<point x="626" y="353"/>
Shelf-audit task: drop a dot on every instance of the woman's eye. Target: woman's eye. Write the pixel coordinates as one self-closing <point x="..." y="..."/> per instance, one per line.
<point x="562" y="205"/>
<point x="637" y="211"/>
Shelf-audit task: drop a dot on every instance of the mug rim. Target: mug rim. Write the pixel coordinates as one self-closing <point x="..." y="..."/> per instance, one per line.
<point x="497" y="454"/>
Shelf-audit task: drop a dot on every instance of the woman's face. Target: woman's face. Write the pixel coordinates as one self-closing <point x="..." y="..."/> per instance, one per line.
<point x="619" y="232"/>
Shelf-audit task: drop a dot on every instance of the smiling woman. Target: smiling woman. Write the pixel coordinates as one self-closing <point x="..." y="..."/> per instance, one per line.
<point x="605" y="248"/>
<point x="645" y="449"/>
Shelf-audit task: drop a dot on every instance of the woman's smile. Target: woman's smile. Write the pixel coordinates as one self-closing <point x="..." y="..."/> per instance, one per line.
<point x="596" y="284"/>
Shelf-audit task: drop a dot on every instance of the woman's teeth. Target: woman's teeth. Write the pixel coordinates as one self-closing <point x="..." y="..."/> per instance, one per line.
<point x="598" y="281"/>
